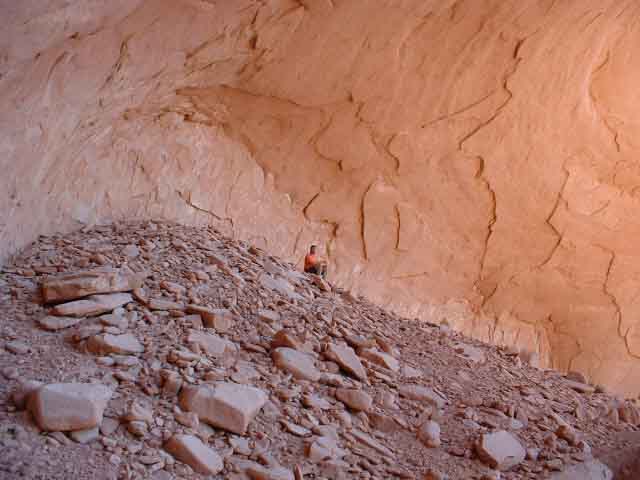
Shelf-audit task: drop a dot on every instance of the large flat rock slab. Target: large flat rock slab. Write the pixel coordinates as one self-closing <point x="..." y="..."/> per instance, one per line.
<point x="92" y="306"/>
<point x="78" y="285"/>
<point x="69" y="406"/>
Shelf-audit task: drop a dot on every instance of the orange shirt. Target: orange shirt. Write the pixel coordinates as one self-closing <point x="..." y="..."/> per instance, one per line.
<point x="311" y="260"/>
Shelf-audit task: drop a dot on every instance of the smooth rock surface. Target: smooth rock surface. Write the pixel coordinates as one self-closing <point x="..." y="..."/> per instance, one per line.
<point x="224" y="405"/>
<point x="69" y="406"/>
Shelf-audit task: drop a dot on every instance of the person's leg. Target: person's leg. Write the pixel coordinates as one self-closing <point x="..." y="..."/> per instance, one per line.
<point x="313" y="270"/>
<point x="323" y="271"/>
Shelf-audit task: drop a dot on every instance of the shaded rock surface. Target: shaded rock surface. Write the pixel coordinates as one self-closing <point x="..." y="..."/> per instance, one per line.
<point x="258" y="119"/>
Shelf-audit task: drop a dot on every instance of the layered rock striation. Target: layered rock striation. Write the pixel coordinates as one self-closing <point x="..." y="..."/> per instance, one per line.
<point x="460" y="161"/>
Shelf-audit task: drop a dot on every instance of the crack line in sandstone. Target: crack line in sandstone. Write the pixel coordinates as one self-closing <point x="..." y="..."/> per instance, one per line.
<point x="362" y="222"/>
<point x="460" y="111"/>
<point x="612" y="131"/>
<point x="57" y="62"/>
<point x="500" y="108"/>
<point x="397" y="211"/>
<point x="614" y="301"/>
<point x="229" y="195"/>
<point x="304" y="209"/>
<point x="117" y="66"/>
<point x="297" y="241"/>
<point x="493" y="217"/>
<point x="410" y="275"/>
<point x="187" y="199"/>
<point x="480" y="174"/>
<point x="559" y="199"/>
<point x="401" y="51"/>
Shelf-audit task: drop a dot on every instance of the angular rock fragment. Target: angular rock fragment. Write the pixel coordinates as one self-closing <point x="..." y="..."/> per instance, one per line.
<point x="324" y="448"/>
<point x="69" y="406"/>
<point x="171" y="382"/>
<point x="471" y="353"/>
<point x="280" y="285"/>
<point x="20" y="396"/>
<point x="500" y="450"/>
<point x="568" y="433"/>
<point x="211" y="344"/>
<point x="591" y="470"/>
<point x="358" y="341"/>
<point x="409" y="372"/>
<point x="422" y="394"/>
<point x="380" y="358"/>
<point x="224" y="405"/>
<point x="79" y="285"/>
<point x="294" y="429"/>
<point x="220" y="319"/>
<point x="355" y="399"/>
<point x="190" y="450"/>
<point x="92" y="306"/>
<point x="369" y="441"/>
<point x="126" y="344"/>
<point x="347" y="359"/>
<point x="580" y="387"/>
<point x="160" y="304"/>
<point x="113" y="320"/>
<point x="282" y="338"/>
<point x="258" y="472"/>
<point x="19" y="348"/>
<point x="268" y="316"/>
<point x="138" y="413"/>
<point x="299" y="364"/>
<point x="314" y="401"/>
<point x="85" y="436"/>
<point x="429" y="434"/>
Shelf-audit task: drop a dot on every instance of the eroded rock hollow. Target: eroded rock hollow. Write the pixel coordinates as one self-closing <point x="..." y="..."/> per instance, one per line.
<point x="464" y="161"/>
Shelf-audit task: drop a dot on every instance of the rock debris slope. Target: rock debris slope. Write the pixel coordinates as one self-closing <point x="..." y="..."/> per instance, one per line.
<point x="220" y="361"/>
<point x="449" y="156"/>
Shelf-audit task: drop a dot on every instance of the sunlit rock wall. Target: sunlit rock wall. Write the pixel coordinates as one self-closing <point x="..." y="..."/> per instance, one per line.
<point x="464" y="161"/>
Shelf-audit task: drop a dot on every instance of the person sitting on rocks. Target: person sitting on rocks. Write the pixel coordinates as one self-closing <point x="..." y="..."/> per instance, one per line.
<point x="312" y="264"/>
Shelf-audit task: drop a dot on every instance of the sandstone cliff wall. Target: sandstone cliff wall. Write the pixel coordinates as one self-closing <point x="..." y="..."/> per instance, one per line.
<point x="469" y="161"/>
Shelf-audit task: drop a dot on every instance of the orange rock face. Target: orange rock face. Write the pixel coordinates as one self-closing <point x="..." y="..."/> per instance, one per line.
<point x="473" y="162"/>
